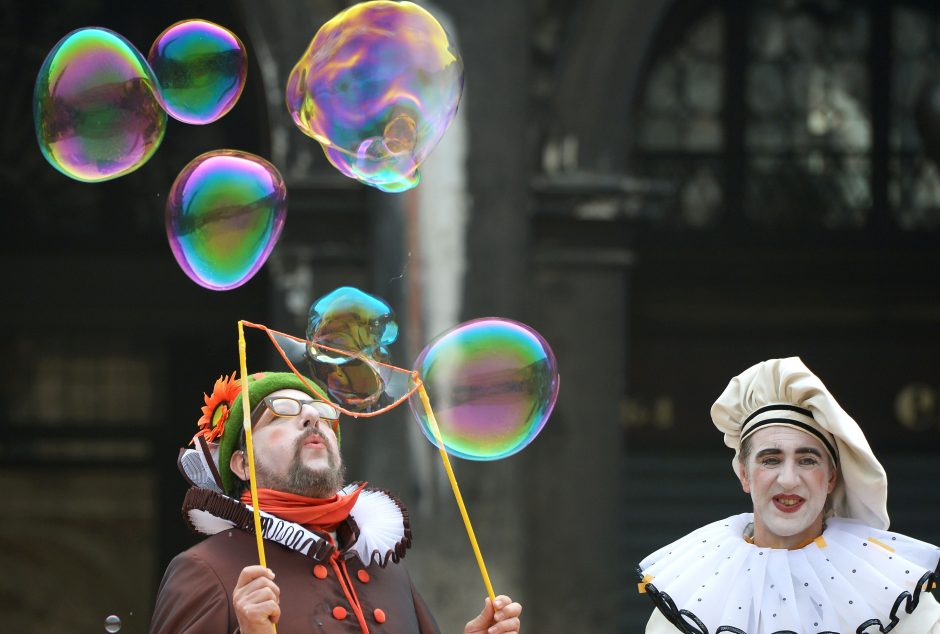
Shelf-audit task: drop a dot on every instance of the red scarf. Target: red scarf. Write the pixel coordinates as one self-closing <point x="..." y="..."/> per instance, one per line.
<point x="315" y="514"/>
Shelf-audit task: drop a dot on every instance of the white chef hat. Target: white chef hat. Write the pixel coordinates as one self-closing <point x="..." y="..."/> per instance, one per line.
<point x="785" y="392"/>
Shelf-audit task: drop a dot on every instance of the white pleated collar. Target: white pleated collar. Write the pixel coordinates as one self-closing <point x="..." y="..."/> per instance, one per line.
<point x="852" y="577"/>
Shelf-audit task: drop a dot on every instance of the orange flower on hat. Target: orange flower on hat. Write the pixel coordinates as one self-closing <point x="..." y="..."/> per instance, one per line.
<point x="215" y="411"/>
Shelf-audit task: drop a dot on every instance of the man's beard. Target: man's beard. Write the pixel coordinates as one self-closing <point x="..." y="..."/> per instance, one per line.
<point x="301" y="479"/>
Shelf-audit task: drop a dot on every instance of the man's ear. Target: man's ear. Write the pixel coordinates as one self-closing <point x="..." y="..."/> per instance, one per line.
<point x="237" y="464"/>
<point x="833" y="479"/>
<point x="742" y="476"/>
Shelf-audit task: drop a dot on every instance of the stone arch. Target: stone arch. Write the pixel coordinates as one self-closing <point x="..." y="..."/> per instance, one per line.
<point x="600" y="73"/>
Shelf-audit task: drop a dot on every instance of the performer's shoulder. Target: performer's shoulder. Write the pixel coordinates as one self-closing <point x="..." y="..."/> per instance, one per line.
<point x="222" y="545"/>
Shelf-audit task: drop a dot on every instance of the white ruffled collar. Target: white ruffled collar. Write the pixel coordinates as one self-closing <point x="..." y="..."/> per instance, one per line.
<point x="852" y="577"/>
<point x="382" y="524"/>
<point x="377" y="530"/>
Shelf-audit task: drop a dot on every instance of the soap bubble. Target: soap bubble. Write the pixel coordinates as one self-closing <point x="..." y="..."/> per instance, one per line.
<point x="112" y="624"/>
<point x="357" y="385"/>
<point x="352" y="321"/>
<point x="201" y="67"/>
<point x="348" y="332"/>
<point x="492" y="384"/>
<point x="224" y="215"/>
<point x="95" y="106"/>
<point x="377" y="87"/>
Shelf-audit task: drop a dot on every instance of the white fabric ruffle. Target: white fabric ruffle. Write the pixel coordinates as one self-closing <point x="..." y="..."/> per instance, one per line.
<point x="383" y="526"/>
<point x="853" y="575"/>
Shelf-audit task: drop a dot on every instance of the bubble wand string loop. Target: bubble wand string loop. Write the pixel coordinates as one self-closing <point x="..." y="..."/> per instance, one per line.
<point x="418" y="386"/>
<point x="432" y="423"/>
<point x="249" y="448"/>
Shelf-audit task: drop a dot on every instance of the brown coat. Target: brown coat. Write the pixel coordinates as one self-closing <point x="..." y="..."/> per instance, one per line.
<point x="195" y="596"/>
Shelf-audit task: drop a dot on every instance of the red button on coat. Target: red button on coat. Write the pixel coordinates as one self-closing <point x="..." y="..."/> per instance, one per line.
<point x="363" y="576"/>
<point x="339" y="613"/>
<point x="319" y="571"/>
<point x="379" y="615"/>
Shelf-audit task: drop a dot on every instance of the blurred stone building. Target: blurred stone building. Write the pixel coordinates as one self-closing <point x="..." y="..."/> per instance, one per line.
<point x="669" y="191"/>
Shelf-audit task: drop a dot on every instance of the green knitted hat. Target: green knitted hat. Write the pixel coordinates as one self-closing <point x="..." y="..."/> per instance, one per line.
<point x="223" y="415"/>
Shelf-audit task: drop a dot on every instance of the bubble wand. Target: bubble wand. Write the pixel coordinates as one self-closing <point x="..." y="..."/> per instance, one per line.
<point x="417" y="385"/>
<point x="249" y="448"/>
<point x="432" y="422"/>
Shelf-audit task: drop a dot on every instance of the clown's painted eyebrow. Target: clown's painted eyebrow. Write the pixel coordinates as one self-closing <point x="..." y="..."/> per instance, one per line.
<point x="774" y="451"/>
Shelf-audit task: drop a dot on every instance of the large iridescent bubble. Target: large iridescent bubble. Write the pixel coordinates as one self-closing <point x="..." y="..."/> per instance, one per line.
<point x="492" y="384"/>
<point x="95" y="106"/>
<point x="224" y="215"/>
<point x="201" y="67"/>
<point x="377" y="87"/>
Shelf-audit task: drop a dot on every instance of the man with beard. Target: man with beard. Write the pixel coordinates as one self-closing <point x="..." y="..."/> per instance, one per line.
<point x="332" y="551"/>
<point x="815" y="556"/>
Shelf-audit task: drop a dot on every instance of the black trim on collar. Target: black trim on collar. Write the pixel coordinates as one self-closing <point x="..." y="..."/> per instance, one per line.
<point x="680" y="617"/>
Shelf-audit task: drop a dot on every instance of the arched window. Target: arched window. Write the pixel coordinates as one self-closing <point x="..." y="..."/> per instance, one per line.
<point x="793" y="114"/>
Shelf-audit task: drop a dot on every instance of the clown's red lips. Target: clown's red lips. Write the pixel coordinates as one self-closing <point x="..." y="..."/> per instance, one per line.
<point x="788" y="503"/>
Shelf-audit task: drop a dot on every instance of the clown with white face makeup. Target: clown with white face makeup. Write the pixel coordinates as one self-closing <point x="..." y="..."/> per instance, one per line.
<point x="815" y="556"/>
<point x="789" y="476"/>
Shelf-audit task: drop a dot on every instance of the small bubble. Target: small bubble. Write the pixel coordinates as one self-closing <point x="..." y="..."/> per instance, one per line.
<point x="112" y="624"/>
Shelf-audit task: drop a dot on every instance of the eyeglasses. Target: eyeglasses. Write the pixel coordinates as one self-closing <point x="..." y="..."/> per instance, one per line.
<point x="288" y="406"/>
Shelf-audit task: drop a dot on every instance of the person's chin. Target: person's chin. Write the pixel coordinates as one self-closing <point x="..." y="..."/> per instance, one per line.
<point x="319" y="465"/>
<point x="787" y="526"/>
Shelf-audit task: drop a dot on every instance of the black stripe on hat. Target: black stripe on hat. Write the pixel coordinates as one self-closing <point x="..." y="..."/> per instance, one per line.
<point x="789" y="421"/>
<point x="767" y="408"/>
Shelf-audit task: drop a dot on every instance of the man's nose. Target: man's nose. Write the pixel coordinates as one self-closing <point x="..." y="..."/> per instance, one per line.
<point x="308" y="415"/>
<point x="788" y="475"/>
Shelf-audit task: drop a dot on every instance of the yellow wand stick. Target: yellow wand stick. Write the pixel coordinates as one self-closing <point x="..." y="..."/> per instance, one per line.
<point x="432" y="423"/>
<point x="249" y="448"/>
